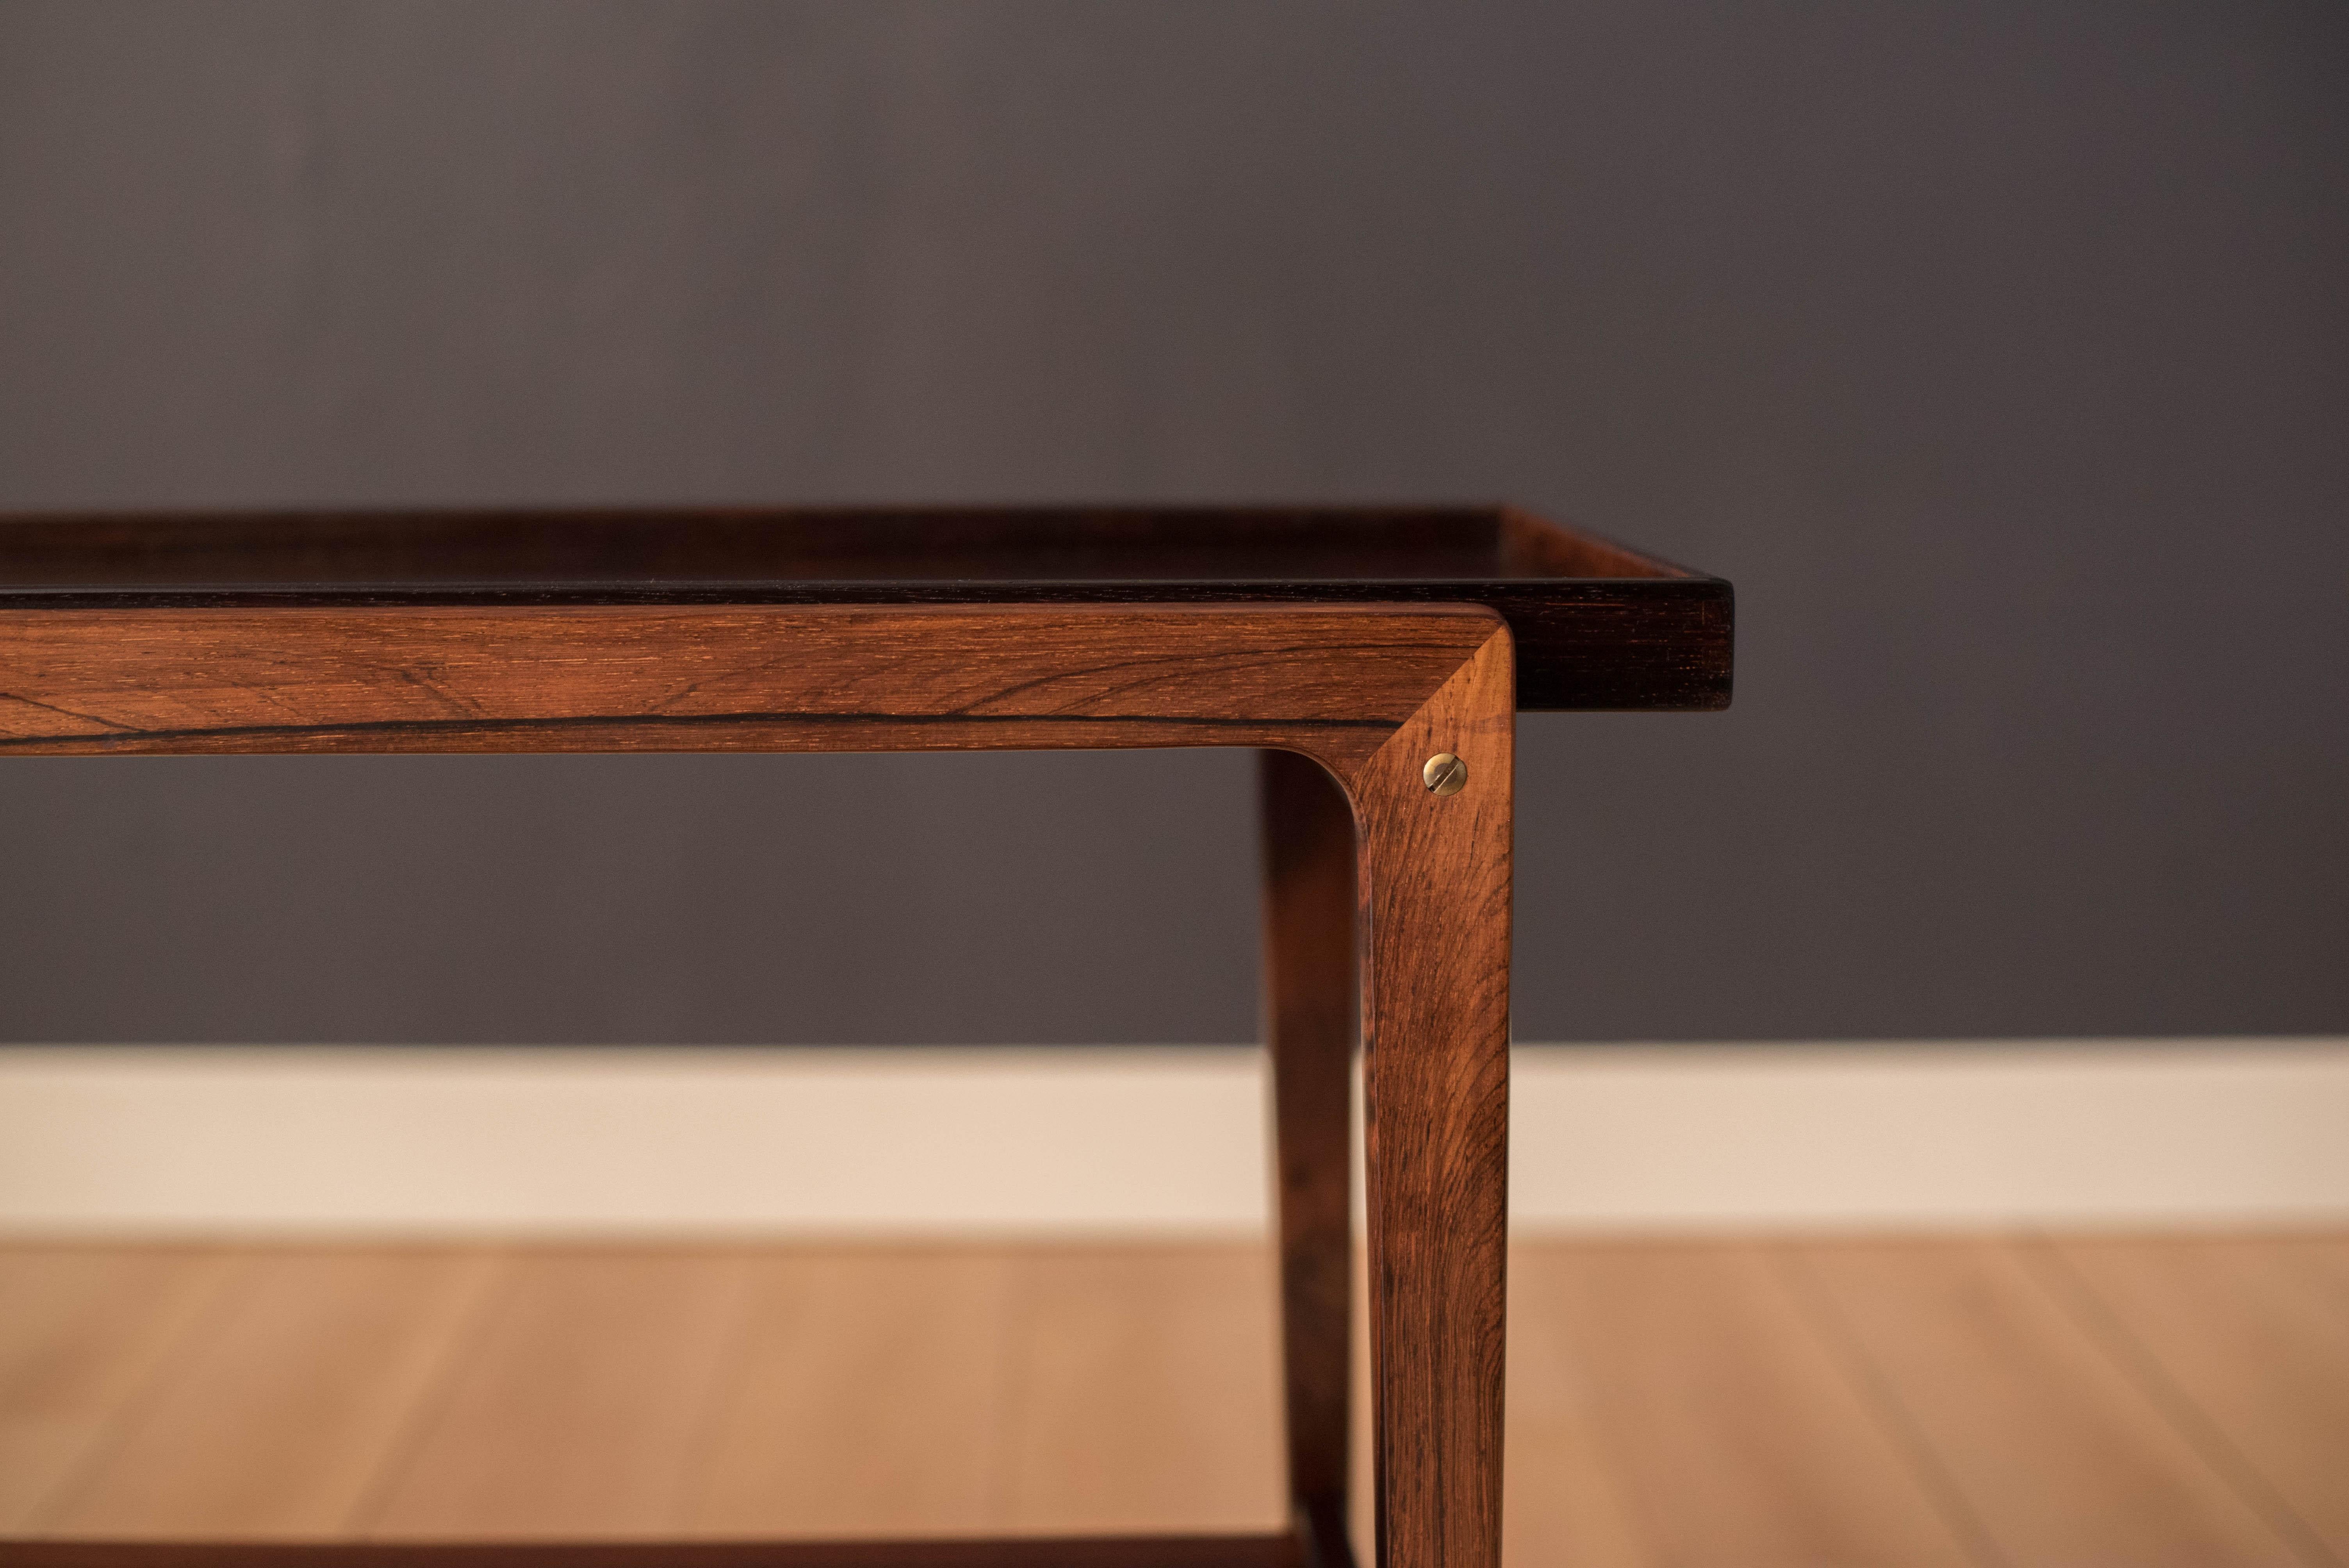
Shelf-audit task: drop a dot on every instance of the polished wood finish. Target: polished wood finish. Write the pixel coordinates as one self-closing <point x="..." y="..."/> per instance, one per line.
<point x="1336" y="682"/>
<point x="1310" y="1005"/>
<point x="1434" y="898"/>
<point x="1351" y="646"/>
<point x="1596" y="626"/>
<point x="1363" y="694"/>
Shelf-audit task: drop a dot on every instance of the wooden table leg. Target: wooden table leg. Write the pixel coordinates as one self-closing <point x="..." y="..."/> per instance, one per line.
<point x="1371" y="692"/>
<point x="1309" y="1007"/>
<point x="1434" y="873"/>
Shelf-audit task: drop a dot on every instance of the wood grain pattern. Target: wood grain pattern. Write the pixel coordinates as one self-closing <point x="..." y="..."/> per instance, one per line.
<point x="1435" y="881"/>
<point x="1726" y="1431"/>
<point x="2054" y="1450"/>
<point x="1368" y="693"/>
<point x="82" y="1330"/>
<point x="1146" y="1393"/>
<point x="1597" y="625"/>
<point x="583" y="1406"/>
<point x="1676" y="1405"/>
<point x="868" y="1396"/>
<point x="1568" y="1491"/>
<point x="278" y="1421"/>
<point x="1335" y="682"/>
<point x="1311" y="991"/>
<point x="2245" y="1352"/>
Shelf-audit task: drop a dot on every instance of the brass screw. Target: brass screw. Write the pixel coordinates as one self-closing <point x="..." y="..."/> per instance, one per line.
<point x="1446" y="774"/>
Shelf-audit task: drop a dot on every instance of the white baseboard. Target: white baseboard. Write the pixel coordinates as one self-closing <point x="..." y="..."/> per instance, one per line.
<point x="427" y="1141"/>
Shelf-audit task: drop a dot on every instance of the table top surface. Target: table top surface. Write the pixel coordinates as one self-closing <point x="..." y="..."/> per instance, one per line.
<point x="1599" y="625"/>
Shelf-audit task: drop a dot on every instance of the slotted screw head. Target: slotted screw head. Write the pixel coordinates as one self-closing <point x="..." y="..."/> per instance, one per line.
<point x="1446" y="774"/>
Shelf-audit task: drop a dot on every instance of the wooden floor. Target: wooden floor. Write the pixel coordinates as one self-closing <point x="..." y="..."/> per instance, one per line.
<point x="2005" y="1401"/>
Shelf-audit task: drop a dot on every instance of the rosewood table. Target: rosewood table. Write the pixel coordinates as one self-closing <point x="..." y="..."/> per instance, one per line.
<point x="1376" y="658"/>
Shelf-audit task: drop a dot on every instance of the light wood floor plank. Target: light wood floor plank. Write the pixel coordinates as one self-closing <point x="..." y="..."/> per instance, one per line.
<point x="579" y="1407"/>
<point x="275" y="1418"/>
<point x="2054" y="1448"/>
<point x="2323" y="1260"/>
<point x="82" y="1329"/>
<point x="1671" y="1405"/>
<point x="1731" y="1435"/>
<point x="1146" y="1389"/>
<point x="867" y="1399"/>
<point x="2255" y="1351"/>
<point x="1566" y="1497"/>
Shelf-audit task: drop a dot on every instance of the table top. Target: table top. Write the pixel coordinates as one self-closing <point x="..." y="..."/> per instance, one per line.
<point x="1597" y="625"/>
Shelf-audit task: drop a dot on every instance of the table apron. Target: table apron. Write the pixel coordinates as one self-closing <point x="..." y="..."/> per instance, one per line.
<point x="1333" y="680"/>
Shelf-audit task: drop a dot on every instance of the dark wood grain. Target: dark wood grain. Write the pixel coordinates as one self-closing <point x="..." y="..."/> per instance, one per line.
<point x="814" y="679"/>
<point x="1054" y="1552"/>
<point x="1366" y="692"/>
<point x="1596" y="626"/>
<point x="1435" y="888"/>
<point x="1310" y="1006"/>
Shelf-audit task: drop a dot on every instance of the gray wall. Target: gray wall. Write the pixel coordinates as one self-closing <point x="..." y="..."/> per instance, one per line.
<point x="2000" y="354"/>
